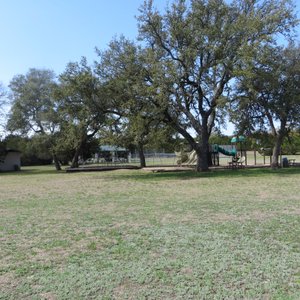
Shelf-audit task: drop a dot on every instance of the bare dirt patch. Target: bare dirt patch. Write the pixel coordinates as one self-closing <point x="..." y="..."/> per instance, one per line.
<point x="8" y="282"/>
<point x="126" y="290"/>
<point x="255" y="215"/>
<point x="292" y="211"/>
<point x="48" y="296"/>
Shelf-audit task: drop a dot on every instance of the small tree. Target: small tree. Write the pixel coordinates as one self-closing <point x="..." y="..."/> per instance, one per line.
<point x="122" y="69"/>
<point x="269" y="95"/>
<point x="82" y="107"/>
<point x="33" y="109"/>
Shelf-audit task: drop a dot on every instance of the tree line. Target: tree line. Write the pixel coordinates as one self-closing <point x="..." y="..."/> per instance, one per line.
<point x="191" y="68"/>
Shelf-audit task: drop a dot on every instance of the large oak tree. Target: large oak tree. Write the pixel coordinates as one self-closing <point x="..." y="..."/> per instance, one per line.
<point x="195" y="49"/>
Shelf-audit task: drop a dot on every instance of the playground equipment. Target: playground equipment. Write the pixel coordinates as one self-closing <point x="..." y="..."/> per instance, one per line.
<point x="216" y="148"/>
<point x="188" y="158"/>
<point x="238" y="141"/>
<point x="239" y="157"/>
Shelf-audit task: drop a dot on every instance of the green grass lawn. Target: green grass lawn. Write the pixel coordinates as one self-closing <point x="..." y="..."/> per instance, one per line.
<point x="140" y="235"/>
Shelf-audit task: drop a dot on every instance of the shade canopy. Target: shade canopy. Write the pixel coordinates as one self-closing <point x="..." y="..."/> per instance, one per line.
<point x="109" y="148"/>
<point x="238" y="139"/>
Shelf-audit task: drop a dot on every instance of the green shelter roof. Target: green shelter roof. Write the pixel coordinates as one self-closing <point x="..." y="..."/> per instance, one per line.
<point x="111" y="148"/>
<point x="238" y="139"/>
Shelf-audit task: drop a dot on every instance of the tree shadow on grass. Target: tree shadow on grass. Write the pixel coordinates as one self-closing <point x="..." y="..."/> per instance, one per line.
<point x="187" y="175"/>
<point x="152" y="176"/>
<point x="32" y="171"/>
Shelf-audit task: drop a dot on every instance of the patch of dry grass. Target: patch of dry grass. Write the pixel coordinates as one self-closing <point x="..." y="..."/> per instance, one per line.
<point x="131" y="234"/>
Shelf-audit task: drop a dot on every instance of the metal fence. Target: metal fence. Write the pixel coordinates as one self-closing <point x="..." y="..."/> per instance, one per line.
<point x="155" y="158"/>
<point x="170" y="159"/>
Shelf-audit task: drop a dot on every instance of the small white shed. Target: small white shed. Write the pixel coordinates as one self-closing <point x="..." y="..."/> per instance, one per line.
<point x="10" y="161"/>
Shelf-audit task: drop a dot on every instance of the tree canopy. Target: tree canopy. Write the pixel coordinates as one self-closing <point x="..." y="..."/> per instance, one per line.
<point x="82" y="106"/>
<point x="269" y="96"/>
<point x="2" y="96"/>
<point x="33" y="107"/>
<point x="123" y="72"/>
<point x="190" y="63"/>
<point x="195" y="48"/>
<point x="3" y="102"/>
<point x="34" y="110"/>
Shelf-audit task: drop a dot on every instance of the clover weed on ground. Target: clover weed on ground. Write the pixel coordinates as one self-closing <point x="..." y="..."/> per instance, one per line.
<point x="138" y="235"/>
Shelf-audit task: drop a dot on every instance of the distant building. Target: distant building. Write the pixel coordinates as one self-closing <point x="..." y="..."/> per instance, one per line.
<point x="10" y="160"/>
<point x="113" y="154"/>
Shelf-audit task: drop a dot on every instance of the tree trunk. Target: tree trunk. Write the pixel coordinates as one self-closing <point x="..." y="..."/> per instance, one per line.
<point x="56" y="162"/>
<point x="74" y="163"/>
<point x="276" y="151"/>
<point x="141" y="155"/>
<point x="202" y="151"/>
<point x="202" y="159"/>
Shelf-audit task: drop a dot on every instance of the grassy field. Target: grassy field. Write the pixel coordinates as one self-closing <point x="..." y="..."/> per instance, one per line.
<point x="140" y="235"/>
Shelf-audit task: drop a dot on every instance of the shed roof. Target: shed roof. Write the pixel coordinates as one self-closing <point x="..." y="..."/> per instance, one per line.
<point x="111" y="148"/>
